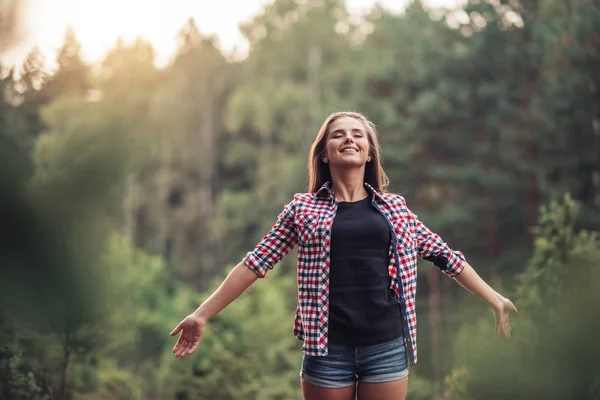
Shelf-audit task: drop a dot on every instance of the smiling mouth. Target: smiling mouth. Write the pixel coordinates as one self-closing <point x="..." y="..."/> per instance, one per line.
<point x="349" y="150"/>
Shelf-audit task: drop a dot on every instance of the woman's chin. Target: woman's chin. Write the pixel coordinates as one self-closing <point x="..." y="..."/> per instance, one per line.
<point x="342" y="164"/>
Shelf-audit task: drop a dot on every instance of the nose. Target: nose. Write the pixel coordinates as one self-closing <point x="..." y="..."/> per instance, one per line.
<point x="349" y="138"/>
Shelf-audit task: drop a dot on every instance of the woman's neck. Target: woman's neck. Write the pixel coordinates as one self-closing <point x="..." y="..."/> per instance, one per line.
<point x="348" y="187"/>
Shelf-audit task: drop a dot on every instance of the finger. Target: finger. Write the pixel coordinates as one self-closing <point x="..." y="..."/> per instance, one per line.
<point x="514" y="309"/>
<point x="179" y="345"/>
<point x="176" y="330"/>
<point x="506" y="327"/>
<point x="185" y="351"/>
<point x="193" y="346"/>
<point x="497" y="329"/>
<point x="188" y="349"/>
<point x="182" y="348"/>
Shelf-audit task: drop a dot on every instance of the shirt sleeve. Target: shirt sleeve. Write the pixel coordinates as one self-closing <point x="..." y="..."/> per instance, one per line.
<point x="432" y="248"/>
<point x="275" y="245"/>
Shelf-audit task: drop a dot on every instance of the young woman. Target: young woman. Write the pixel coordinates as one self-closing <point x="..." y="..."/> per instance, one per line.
<point x="357" y="271"/>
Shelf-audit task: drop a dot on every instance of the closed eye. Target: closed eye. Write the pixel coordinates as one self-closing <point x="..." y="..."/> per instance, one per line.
<point x="339" y="133"/>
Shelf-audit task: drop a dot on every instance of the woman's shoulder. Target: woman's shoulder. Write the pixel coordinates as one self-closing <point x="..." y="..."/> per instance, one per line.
<point x="301" y="200"/>
<point x="393" y="198"/>
<point x="307" y="196"/>
<point x="397" y="203"/>
<point x="310" y="203"/>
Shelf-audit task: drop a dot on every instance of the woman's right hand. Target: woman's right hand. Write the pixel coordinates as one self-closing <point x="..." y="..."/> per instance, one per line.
<point x="191" y="328"/>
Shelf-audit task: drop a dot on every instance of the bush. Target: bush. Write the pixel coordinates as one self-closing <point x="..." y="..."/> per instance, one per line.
<point x="554" y="352"/>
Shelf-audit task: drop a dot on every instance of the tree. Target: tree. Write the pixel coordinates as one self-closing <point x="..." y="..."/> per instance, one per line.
<point x="222" y="365"/>
<point x="187" y="109"/>
<point x="77" y="185"/>
<point x="73" y="74"/>
<point x="31" y="83"/>
<point x="296" y="73"/>
<point x="17" y="380"/>
<point x="130" y="78"/>
<point x="567" y="102"/>
<point x="555" y="321"/>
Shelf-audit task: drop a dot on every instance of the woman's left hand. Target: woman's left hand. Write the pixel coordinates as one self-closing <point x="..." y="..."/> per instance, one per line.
<point x="501" y="310"/>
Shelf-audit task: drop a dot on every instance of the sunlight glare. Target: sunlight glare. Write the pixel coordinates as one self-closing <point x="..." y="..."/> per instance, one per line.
<point x="99" y="23"/>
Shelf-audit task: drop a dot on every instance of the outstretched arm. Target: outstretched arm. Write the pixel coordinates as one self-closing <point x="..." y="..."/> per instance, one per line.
<point x="432" y="248"/>
<point x="192" y="327"/>
<point x="471" y="281"/>
<point x="272" y="248"/>
<point x="237" y="281"/>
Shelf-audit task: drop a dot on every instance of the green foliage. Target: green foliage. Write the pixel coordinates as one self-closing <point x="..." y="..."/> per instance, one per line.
<point x="18" y="378"/>
<point x="553" y="353"/>
<point x="73" y="74"/>
<point x="484" y="113"/>
<point x="139" y="301"/>
<point x="247" y="351"/>
<point x="119" y="384"/>
<point x="420" y="388"/>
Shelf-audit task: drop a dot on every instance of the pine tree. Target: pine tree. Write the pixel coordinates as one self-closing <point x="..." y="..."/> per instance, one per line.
<point x="73" y="73"/>
<point x="31" y="83"/>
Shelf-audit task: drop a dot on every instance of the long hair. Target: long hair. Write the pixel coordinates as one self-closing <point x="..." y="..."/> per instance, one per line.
<point x="318" y="171"/>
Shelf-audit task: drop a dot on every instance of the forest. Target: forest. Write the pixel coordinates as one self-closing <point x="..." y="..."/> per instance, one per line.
<point x="128" y="191"/>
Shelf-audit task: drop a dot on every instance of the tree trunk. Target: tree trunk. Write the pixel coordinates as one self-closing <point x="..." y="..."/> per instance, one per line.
<point x="596" y="129"/>
<point x="532" y="191"/>
<point x="435" y="321"/>
<point x="66" y="365"/>
<point x="491" y="248"/>
<point x="162" y="202"/>
<point x="314" y="83"/>
<point x="129" y="207"/>
<point x="66" y="368"/>
<point x="206" y="172"/>
<point x="489" y="220"/>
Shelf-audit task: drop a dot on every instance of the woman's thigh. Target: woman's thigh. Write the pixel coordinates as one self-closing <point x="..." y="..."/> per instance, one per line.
<point x="313" y="392"/>
<point x="383" y="371"/>
<point x="330" y="377"/>
<point x="394" y="390"/>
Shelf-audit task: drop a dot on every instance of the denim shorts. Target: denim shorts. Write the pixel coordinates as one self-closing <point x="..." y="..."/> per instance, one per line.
<point x="345" y="365"/>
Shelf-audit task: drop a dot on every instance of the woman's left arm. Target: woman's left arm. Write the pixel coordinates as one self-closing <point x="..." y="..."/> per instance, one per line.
<point x="502" y="306"/>
<point x="432" y="248"/>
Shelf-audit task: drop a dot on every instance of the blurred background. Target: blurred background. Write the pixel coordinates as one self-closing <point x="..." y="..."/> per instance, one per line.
<point x="146" y="146"/>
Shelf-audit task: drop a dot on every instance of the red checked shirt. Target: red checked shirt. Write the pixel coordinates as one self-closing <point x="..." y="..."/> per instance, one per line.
<point x="307" y="220"/>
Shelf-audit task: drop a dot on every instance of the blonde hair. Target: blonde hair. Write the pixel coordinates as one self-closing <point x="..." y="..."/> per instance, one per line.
<point x="318" y="171"/>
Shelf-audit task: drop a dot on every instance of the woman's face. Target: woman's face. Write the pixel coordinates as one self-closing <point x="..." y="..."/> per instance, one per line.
<point x="347" y="143"/>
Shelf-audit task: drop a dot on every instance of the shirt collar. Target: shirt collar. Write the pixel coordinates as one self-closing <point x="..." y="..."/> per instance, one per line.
<point x="372" y="191"/>
<point x="325" y="190"/>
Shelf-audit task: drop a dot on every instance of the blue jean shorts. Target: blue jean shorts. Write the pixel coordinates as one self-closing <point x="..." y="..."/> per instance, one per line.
<point x="345" y="365"/>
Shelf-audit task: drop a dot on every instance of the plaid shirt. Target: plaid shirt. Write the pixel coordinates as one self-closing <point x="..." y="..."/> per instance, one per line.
<point x="307" y="221"/>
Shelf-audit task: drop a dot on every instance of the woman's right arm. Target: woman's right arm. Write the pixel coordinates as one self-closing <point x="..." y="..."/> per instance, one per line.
<point x="237" y="281"/>
<point x="192" y="327"/>
<point x="272" y="248"/>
